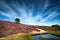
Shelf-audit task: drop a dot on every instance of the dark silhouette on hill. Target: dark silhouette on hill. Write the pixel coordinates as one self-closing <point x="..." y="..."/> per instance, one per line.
<point x="17" y="20"/>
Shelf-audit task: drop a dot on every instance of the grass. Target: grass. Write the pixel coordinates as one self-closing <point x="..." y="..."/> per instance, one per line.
<point x="27" y="36"/>
<point x="19" y="36"/>
<point x="50" y="39"/>
<point x="51" y="30"/>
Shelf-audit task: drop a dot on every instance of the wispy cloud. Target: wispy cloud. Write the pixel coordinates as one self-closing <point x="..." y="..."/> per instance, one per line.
<point x="11" y="11"/>
<point x="51" y="14"/>
<point x="46" y="4"/>
<point x="5" y="14"/>
<point x="26" y="12"/>
<point x="27" y="18"/>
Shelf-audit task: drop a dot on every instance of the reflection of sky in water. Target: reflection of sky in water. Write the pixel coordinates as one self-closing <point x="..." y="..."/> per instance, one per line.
<point x="48" y="36"/>
<point x="38" y="37"/>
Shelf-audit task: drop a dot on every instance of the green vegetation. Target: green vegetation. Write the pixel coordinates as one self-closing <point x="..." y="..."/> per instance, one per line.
<point x="27" y="37"/>
<point x="57" y="27"/>
<point x="50" y="39"/>
<point x="20" y="36"/>
<point x="51" y="30"/>
<point x="17" y="20"/>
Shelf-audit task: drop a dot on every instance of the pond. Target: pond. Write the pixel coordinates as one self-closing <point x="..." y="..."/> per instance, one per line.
<point x="39" y="37"/>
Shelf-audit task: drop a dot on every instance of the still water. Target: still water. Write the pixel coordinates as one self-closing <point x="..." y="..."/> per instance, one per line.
<point x="39" y="37"/>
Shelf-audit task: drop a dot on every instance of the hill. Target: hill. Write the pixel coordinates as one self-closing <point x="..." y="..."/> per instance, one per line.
<point x="7" y="28"/>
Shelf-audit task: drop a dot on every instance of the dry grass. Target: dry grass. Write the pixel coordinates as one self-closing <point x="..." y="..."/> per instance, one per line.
<point x="51" y="30"/>
<point x="40" y="31"/>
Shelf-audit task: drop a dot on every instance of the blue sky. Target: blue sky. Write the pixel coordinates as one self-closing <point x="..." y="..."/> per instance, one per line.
<point x="31" y="12"/>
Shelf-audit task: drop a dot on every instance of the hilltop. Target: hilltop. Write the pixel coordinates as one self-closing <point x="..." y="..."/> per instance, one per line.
<point x="7" y="28"/>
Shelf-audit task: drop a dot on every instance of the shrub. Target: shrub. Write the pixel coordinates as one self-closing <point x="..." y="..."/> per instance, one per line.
<point x="57" y="27"/>
<point x="17" y="20"/>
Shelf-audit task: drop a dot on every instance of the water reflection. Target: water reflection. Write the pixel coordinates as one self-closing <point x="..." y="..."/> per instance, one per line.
<point x="39" y="37"/>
